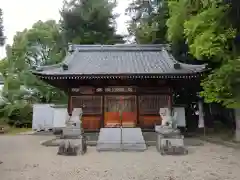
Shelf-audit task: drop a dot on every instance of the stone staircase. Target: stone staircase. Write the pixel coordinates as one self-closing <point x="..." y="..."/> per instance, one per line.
<point x="110" y="139"/>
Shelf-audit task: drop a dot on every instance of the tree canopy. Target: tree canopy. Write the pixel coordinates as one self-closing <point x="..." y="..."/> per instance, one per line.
<point x="45" y="43"/>
<point x="89" y="22"/>
<point x="2" y="39"/>
<point x="199" y="32"/>
<point x="148" y="21"/>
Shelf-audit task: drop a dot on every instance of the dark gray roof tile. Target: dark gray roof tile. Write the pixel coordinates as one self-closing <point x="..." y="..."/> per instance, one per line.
<point x="120" y="59"/>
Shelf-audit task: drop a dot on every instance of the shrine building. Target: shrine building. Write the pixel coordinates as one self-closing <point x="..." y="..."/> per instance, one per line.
<point x="120" y="84"/>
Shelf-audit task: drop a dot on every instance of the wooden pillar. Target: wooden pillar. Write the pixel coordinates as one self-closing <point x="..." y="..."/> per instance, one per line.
<point x="69" y="108"/>
<point x="103" y="111"/>
<point x="170" y="101"/>
<point x="137" y="106"/>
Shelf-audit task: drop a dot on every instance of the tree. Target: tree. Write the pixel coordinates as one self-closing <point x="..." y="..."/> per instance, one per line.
<point x="89" y="22"/>
<point x="203" y="31"/>
<point x="40" y="45"/>
<point x="209" y="30"/>
<point x="2" y="39"/>
<point x="148" y="21"/>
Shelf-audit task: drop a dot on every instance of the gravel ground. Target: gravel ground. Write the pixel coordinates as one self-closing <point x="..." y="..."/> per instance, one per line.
<point x="25" y="159"/>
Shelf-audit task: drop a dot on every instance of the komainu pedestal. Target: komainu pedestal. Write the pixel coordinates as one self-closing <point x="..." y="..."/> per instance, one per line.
<point x="73" y="147"/>
<point x="170" y="141"/>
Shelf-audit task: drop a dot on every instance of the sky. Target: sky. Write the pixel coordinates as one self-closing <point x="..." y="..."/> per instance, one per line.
<point x="21" y="14"/>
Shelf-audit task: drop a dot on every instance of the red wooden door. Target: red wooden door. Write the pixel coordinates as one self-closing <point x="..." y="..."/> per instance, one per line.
<point x="120" y="111"/>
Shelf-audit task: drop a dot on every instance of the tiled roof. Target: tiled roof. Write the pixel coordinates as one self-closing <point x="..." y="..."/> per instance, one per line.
<point x="113" y="60"/>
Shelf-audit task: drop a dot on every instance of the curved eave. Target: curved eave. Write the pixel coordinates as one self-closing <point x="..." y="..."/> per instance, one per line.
<point x="119" y="76"/>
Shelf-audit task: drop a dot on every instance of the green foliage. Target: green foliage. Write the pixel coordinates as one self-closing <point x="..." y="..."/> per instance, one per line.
<point x="223" y="85"/>
<point x="18" y="114"/>
<point x="207" y="29"/>
<point x="89" y="22"/>
<point x="4" y="67"/>
<point x="83" y="22"/>
<point x="178" y="13"/>
<point x="40" y="45"/>
<point x="207" y="34"/>
<point x="146" y="33"/>
<point x="148" y="24"/>
<point x="2" y="39"/>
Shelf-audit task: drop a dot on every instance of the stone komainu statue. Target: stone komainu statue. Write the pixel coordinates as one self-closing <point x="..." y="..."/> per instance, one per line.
<point x="169" y="139"/>
<point x="75" y="144"/>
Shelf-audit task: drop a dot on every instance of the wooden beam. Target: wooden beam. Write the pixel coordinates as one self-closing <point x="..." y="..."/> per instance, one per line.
<point x="70" y="108"/>
<point x="138" y="115"/>
<point x="170" y="101"/>
<point x="103" y="111"/>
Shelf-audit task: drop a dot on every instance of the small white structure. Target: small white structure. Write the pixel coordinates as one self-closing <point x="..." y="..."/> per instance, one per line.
<point x="42" y="117"/>
<point x="60" y="116"/>
<point x="49" y="117"/>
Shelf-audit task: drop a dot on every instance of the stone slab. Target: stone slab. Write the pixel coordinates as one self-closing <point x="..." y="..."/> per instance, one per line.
<point x="132" y="136"/>
<point x="121" y="147"/>
<point x="110" y="140"/>
<point x="109" y="135"/>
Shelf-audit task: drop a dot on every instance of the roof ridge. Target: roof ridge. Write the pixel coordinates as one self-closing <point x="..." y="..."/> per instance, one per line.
<point x="117" y="47"/>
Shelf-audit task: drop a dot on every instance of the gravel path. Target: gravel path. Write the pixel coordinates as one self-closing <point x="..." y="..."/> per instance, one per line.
<point x="25" y="159"/>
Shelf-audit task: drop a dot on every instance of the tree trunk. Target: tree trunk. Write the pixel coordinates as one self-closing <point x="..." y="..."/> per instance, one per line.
<point x="237" y="120"/>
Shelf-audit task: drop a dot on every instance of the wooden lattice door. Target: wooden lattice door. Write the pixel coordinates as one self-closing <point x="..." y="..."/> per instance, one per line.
<point x="120" y="111"/>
